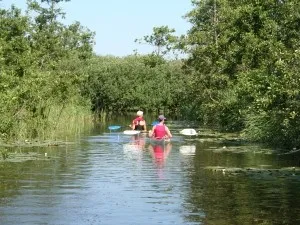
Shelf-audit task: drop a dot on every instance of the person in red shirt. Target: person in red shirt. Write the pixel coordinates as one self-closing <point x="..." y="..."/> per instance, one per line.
<point x="160" y="131"/>
<point x="139" y="122"/>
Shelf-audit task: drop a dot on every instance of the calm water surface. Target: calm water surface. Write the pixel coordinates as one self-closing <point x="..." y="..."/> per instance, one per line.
<point x="111" y="178"/>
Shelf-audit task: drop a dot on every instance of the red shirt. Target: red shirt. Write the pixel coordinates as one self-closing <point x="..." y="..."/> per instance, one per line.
<point x="159" y="131"/>
<point x="137" y="124"/>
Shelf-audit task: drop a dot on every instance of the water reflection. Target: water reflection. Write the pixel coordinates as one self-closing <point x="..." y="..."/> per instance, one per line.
<point x="160" y="152"/>
<point x="134" y="149"/>
<point x="110" y="178"/>
<point x="187" y="149"/>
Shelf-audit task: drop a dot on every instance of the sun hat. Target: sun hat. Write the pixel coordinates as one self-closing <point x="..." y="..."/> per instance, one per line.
<point x="139" y="113"/>
<point x="162" y="117"/>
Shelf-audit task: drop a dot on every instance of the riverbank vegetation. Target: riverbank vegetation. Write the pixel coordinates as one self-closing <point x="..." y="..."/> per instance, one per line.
<point x="42" y="68"/>
<point x="244" y="56"/>
<point x="240" y="71"/>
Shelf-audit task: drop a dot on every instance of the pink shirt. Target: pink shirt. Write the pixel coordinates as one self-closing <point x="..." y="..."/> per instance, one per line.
<point x="159" y="131"/>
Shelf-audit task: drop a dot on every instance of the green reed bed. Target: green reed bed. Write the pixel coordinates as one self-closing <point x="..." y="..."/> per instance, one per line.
<point x="57" y="124"/>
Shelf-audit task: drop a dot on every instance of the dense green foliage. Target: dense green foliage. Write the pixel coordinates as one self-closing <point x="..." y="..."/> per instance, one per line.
<point x="135" y="82"/>
<point x="245" y="57"/>
<point x="50" y="76"/>
<point x="240" y="71"/>
<point x="41" y="70"/>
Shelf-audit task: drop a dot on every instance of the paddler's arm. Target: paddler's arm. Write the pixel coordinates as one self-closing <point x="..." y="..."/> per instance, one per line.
<point x="132" y="125"/>
<point x="151" y="132"/>
<point x="168" y="132"/>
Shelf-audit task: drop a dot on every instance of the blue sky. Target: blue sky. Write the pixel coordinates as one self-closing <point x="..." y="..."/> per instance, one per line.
<point x="118" y="23"/>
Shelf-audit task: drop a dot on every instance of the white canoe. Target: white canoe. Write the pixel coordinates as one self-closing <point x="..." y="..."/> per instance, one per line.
<point x="159" y="141"/>
<point x="131" y="132"/>
<point x="189" y="132"/>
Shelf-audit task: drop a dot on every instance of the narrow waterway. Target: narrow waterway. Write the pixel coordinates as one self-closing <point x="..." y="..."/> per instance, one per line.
<point x="112" y="178"/>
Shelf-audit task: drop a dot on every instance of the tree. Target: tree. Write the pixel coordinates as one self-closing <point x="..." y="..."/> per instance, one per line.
<point x="15" y="46"/>
<point x="244" y="55"/>
<point x="42" y="68"/>
<point x="162" y="39"/>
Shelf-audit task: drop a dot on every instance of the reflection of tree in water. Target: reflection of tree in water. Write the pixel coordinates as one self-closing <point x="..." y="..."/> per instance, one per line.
<point x="34" y="172"/>
<point x="219" y="198"/>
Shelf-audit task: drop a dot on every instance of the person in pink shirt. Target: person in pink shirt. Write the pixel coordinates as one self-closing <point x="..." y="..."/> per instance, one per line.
<point x="160" y="131"/>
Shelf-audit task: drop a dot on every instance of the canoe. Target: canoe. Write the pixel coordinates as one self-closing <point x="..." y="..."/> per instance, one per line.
<point x="159" y="141"/>
<point x="131" y="132"/>
<point x="189" y="132"/>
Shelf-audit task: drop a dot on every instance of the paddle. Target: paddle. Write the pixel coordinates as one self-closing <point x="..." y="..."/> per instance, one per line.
<point x="154" y="123"/>
<point x="114" y="127"/>
<point x="117" y="127"/>
<point x="188" y="132"/>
